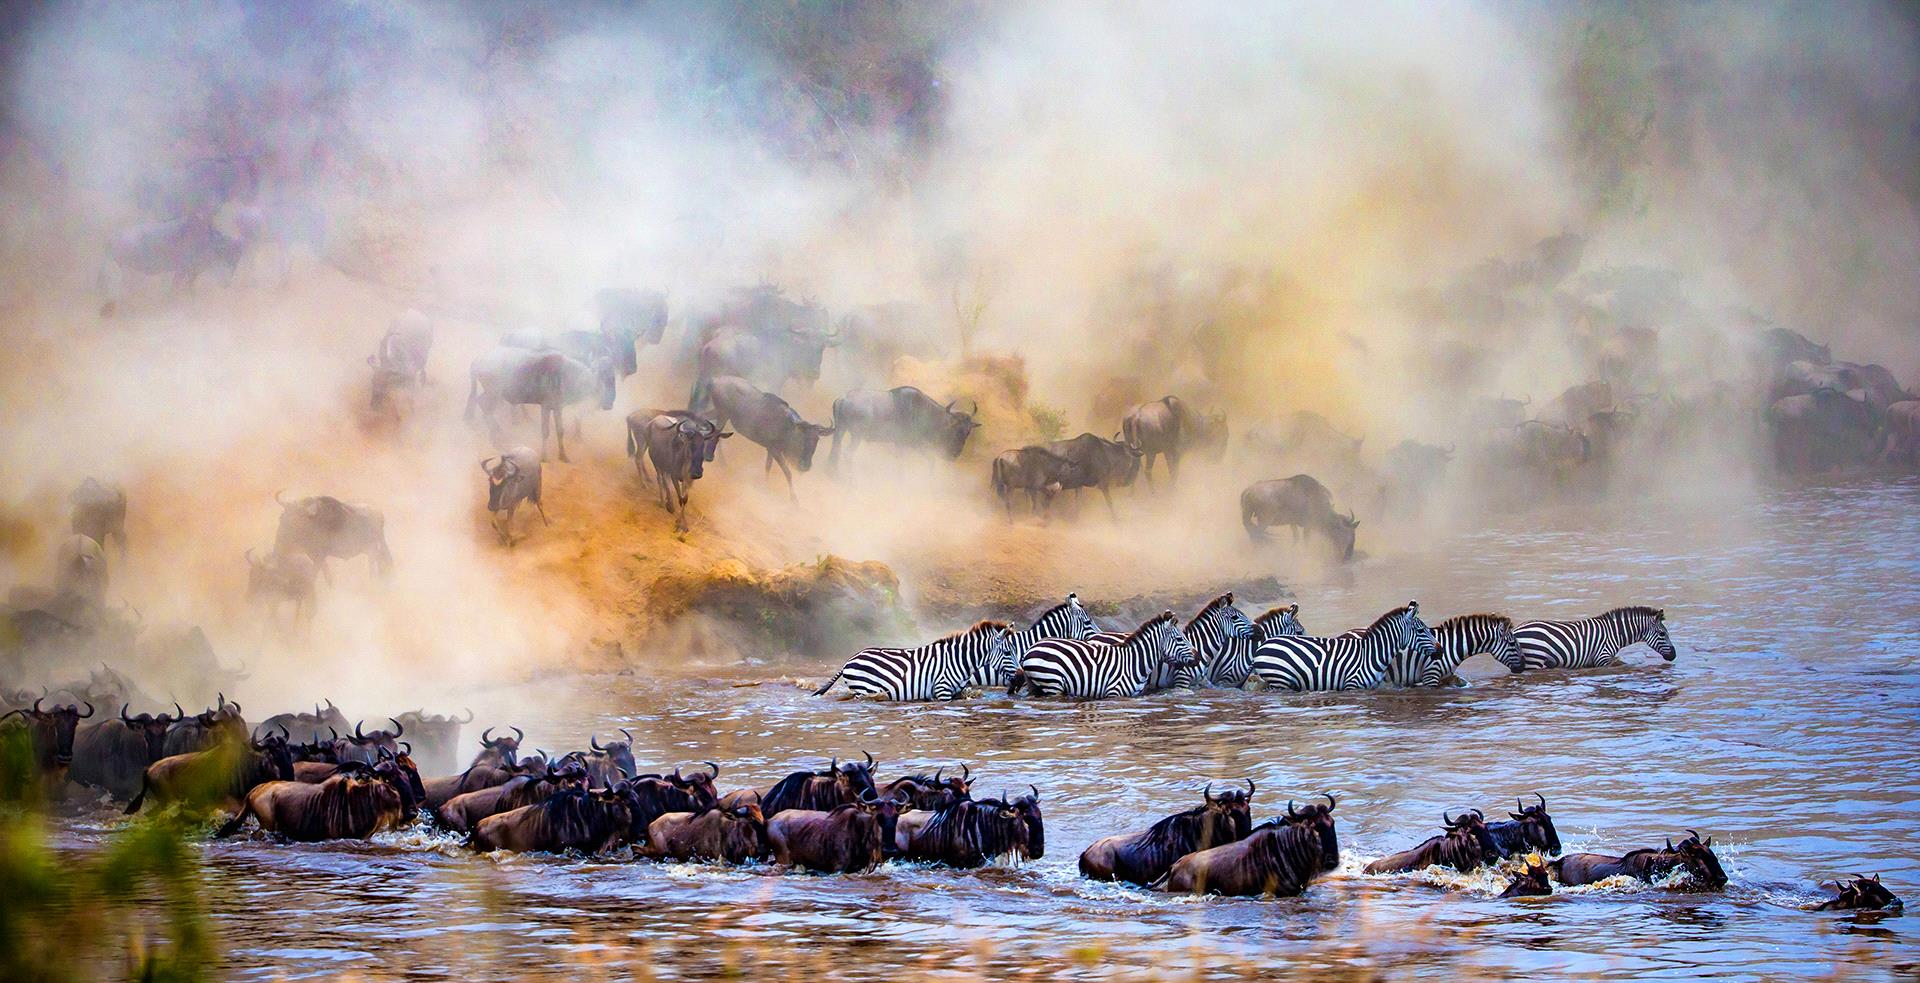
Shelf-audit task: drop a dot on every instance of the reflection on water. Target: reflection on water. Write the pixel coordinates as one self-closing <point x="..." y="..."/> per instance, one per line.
<point x="1785" y="731"/>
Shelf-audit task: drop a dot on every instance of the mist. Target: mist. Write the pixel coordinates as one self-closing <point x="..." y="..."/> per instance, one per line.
<point x="1364" y="213"/>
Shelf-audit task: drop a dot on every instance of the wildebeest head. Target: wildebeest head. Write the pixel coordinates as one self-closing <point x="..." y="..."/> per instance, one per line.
<point x="1342" y="530"/>
<point x="699" y="785"/>
<point x="617" y="753"/>
<point x="1026" y="808"/>
<point x="1697" y="857"/>
<point x="854" y="778"/>
<point x="502" y="751"/>
<point x="152" y="728"/>
<point x="1862" y="894"/>
<point x="1319" y="819"/>
<point x="808" y="437"/>
<point x="885" y="809"/>
<point x="958" y="427"/>
<point x="404" y="778"/>
<point x="51" y="731"/>
<point x="1236" y="806"/>
<point x="1473" y="825"/>
<point x="1530" y="882"/>
<point x="1536" y="827"/>
<point x="279" y="754"/>
<point x="501" y="475"/>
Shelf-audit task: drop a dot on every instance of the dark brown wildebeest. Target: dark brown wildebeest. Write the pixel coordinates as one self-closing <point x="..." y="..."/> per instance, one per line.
<point x="1465" y="845"/>
<point x="846" y="839"/>
<point x="1035" y="470"/>
<point x="1300" y="502"/>
<point x="80" y="570"/>
<point x="99" y="512"/>
<point x="731" y="835"/>
<point x="973" y="832"/>
<point x="1572" y="407"/>
<point x="1318" y="819"/>
<point x="512" y="478"/>
<point x="637" y="422"/>
<point x="1902" y="443"/>
<point x="838" y="785"/>
<point x="464" y="811"/>
<point x="216" y="724"/>
<point x="547" y="379"/>
<point x="1823" y="429"/>
<point x="1694" y="855"/>
<point x="612" y="763"/>
<point x="218" y="777"/>
<point x="354" y="804"/>
<point x="50" y="732"/>
<point x="304" y="728"/>
<point x="929" y="792"/>
<point x="1530" y="829"/>
<point x="1277" y="858"/>
<point x="627" y="317"/>
<point x="436" y="738"/>
<point x="1862" y="894"/>
<point x="651" y="796"/>
<point x="499" y="752"/>
<point x="902" y="416"/>
<point x="184" y="248"/>
<point x="587" y="820"/>
<point x="1797" y="378"/>
<point x="767" y="420"/>
<point x="113" y="754"/>
<point x="1141" y="858"/>
<point x="760" y="336"/>
<point x="679" y="448"/>
<point x="283" y="578"/>
<point x="1530" y="882"/>
<point x="1778" y="346"/>
<point x="365" y="747"/>
<point x="1168" y="427"/>
<point x="322" y="526"/>
<point x="1103" y="464"/>
<point x="476" y="777"/>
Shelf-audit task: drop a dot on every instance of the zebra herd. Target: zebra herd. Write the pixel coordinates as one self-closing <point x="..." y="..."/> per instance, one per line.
<point x="1065" y="653"/>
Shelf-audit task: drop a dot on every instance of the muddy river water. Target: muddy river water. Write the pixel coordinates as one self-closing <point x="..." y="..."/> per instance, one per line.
<point x="1786" y="731"/>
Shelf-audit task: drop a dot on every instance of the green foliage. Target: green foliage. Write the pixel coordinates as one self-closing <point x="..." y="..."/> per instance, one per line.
<point x="59" y="907"/>
<point x="1050" y="422"/>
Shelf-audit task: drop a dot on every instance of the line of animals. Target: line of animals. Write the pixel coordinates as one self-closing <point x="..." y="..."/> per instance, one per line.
<point x="1065" y="653"/>
<point x="299" y="777"/>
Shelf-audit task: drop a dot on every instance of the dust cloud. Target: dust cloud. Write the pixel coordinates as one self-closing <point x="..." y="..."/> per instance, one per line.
<point x="1378" y="214"/>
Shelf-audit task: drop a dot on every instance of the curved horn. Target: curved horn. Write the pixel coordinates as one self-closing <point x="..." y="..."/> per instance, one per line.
<point x="356" y="731"/>
<point x="484" y="469"/>
<point x="1696" y="836"/>
<point x="712" y="767"/>
<point x="627" y="734"/>
<point x="278" y="500"/>
<point x="1250" y="788"/>
<point x="520" y="735"/>
<point x="250" y="560"/>
<point x="966" y="774"/>
<point x="1291" y="814"/>
<point x="593" y="741"/>
<point x="397" y="729"/>
<point x="123" y="711"/>
<point x="1543" y="801"/>
<point x="179" y="712"/>
<point x="406" y="747"/>
<point x="1669" y="844"/>
<point x="89" y="712"/>
<point x="1036" y="791"/>
<point x="870" y="761"/>
<point x="936" y="775"/>
<point x="469" y="715"/>
<point x="285" y="734"/>
<point x="1207" y="793"/>
<point x="486" y="737"/>
<point x="1446" y="819"/>
<point x="1520" y="805"/>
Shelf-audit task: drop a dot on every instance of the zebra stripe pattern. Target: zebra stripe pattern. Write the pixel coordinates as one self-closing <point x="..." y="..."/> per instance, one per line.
<point x="1066" y="620"/>
<point x="1303" y="663"/>
<point x="1594" y="641"/>
<point x="939" y="670"/>
<point x="1091" y="670"/>
<point x="1234" y="665"/>
<point x="1217" y="626"/>
<point x="1454" y="640"/>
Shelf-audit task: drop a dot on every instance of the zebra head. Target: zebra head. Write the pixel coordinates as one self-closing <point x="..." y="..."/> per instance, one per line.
<point x="1000" y="651"/>
<point x="1420" y="637"/>
<point x="1656" y="636"/>
<point x="1080" y="624"/>
<point x="1175" y="649"/>
<point x="1236" y="624"/>
<point x="1506" y="647"/>
<point x="1282" y="621"/>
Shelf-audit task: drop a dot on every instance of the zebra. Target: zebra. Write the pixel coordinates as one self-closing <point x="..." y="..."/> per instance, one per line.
<point x="1217" y="626"/>
<point x="1302" y="662"/>
<point x="1594" y="641"/>
<point x="938" y="670"/>
<point x="1065" y="620"/>
<point x="1453" y="641"/>
<point x="1090" y="669"/>
<point x="1231" y="668"/>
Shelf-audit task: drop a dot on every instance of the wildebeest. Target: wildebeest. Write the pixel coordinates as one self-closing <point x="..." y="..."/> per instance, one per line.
<point x="1465" y="845"/>
<point x="762" y="359"/>
<point x="611" y="763"/>
<point x="902" y="416"/>
<point x="637" y="422"/>
<point x="366" y="747"/>
<point x="547" y="379"/>
<point x="974" y="832"/>
<point x="1862" y="894"/>
<point x="838" y="785"/>
<point x="1902" y="442"/>
<point x="1782" y="345"/>
<point x="1530" y="882"/>
<point x="114" y="754"/>
<point x="1277" y="858"/>
<point x="463" y="812"/>
<point x="629" y="316"/>
<point x="1039" y="472"/>
<point x="283" y="578"/>
<point x="726" y="834"/>
<point x="1101" y="464"/>
<point x="304" y="728"/>
<point x="679" y="448"/>
<point x="651" y="796"/>
<point x="933" y="791"/>
<point x="1141" y="858"/>
<point x="1823" y="429"/>
<point x="80" y="572"/>
<point x="845" y="839"/>
<point x="183" y="247"/>
<point x="766" y="420"/>
<point x="355" y="803"/>
<point x="436" y="738"/>
<point x="406" y="345"/>
<point x="512" y="478"/>
<point x="1528" y="830"/>
<point x="219" y="723"/>
<point x="1572" y="407"/>
<point x="321" y="526"/>
<point x="1301" y="502"/>
<point x="99" y="512"/>
<point x="587" y="820"/>
<point x="476" y="777"/>
<point x="1169" y="427"/>
<point x="50" y="733"/>
<point x="219" y="776"/>
<point x="1693" y="855"/>
<point x="1536" y="445"/>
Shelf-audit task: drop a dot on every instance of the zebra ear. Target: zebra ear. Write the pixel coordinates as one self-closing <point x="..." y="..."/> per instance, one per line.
<point x="1660" y="615"/>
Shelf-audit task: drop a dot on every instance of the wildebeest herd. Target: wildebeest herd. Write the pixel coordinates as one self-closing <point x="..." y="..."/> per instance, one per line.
<point x="307" y="777"/>
<point x="1064" y="652"/>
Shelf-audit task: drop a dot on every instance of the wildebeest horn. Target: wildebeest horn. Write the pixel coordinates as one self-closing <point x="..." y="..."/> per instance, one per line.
<point x="1207" y="793"/>
<point x="278" y="500"/>
<point x="330" y="705"/>
<point x="965" y="773"/>
<point x="123" y="711"/>
<point x="1522" y="806"/>
<point x="356" y="731"/>
<point x="1543" y="801"/>
<point x="397" y="729"/>
<point x="484" y="468"/>
<point x="521" y="735"/>
<point x="870" y="761"/>
<point x="1250" y="788"/>
<point x="1669" y="844"/>
<point x="1036" y="791"/>
<point x="1696" y="836"/>
<point x="624" y="733"/>
<point x="1290" y="813"/>
<point x="179" y="712"/>
<point x="868" y="797"/>
<point x="89" y="712"/>
<point x="1447" y="819"/>
<point x="486" y="737"/>
<point x="469" y="715"/>
<point x="677" y="779"/>
<point x="285" y="734"/>
<point x="406" y="747"/>
<point x="593" y="741"/>
<point x="713" y="768"/>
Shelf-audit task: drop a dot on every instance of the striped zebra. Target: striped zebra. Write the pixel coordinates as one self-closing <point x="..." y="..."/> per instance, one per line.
<point x="1065" y="620"/>
<point x="1454" y="640"/>
<point x="1302" y="662"/>
<point x="1234" y="665"/>
<point x="938" y="670"/>
<point x="1217" y="626"/>
<point x="1092" y="670"/>
<point x="1594" y="641"/>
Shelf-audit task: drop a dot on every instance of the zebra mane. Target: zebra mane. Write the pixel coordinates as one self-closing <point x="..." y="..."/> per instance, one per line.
<point x="1156" y="621"/>
<point x="1212" y="606"/>
<point x="1381" y="621"/>
<point x="1273" y="613"/>
<point x="1050" y="612"/>
<point x="1633" y="611"/>
<point x="1465" y="620"/>
<point x="974" y="630"/>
